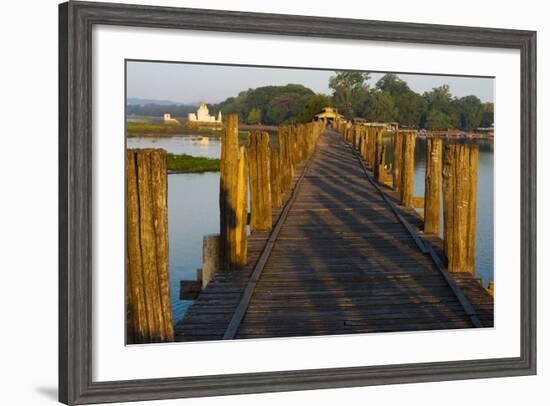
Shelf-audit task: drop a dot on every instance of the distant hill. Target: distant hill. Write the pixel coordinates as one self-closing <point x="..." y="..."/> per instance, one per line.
<point x="131" y="101"/>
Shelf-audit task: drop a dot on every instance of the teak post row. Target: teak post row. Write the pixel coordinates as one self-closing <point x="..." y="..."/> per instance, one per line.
<point x="268" y="169"/>
<point x="455" y="177"/>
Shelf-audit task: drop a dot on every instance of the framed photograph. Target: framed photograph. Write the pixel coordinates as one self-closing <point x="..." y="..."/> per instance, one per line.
<point x="260" y="202"/>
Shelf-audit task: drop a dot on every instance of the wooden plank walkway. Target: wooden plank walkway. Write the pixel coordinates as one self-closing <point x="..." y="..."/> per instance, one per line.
<point x="343" y="263"/>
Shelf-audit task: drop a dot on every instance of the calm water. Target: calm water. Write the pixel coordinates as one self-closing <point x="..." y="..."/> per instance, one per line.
<point x="193" y="208"/>
<point x="485" y="215"/>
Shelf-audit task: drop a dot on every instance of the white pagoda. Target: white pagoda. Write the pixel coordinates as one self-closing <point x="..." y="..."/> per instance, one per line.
<point x="203" y="116"/>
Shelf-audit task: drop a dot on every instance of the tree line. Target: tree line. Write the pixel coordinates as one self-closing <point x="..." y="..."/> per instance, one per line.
<point x="391" y="99"/>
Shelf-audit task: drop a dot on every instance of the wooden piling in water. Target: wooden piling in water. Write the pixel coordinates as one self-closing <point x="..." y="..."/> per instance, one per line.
<point x="260" y="181"/>
<point x="149" y="309"/>
<point x="210" y="258"/>
<point x="397" y="160"/>
<point x="371" y="155"/>
<point x="231" y="207"/>
<point x="407" y="169"/>
<point x="433" y="184"/>
<point x="379" y="157"/>
<point x="459" y="206"/>
<point x="287" y="168"/>
<point x="276" y="180"/>
<point x="242" y="209"/>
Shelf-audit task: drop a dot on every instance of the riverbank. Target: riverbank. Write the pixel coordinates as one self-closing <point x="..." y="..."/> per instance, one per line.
<point x="139" y="129"/>
<point x="183" y="163"/>
<point x="147" y="129"/>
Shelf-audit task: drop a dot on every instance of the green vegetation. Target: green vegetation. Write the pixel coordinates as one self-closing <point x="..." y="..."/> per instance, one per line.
<point x="255" y="116"/>
<point x="134" y="129"/>
<point x="393" y="100"/>
<point x="268" y="105"/>
<point x="350" y="92"/>
<point x="186" y="163"/>
<point x="313" y="105"/>
<point x="390" y="99"/>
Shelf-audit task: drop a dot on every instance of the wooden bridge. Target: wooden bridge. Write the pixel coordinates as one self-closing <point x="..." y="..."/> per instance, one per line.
<point x="342" y="257"/>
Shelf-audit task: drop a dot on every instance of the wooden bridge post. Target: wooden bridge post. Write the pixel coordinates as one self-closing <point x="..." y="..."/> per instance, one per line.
<point x="407" y="171"/>
<point x="356" y="136"/>
<point x="293" y="140"/>
<point x="260" y="181"/>
<point x="287" y="167"/>
<point x="432" y="190"/>
<point x="459" y="206"/>
<point x="365" y="143"/>
<point x="210" y="258"/>
<point x="372" y="147"/>
<point x="148" y="290"/>
<point x="397" y="159"/>
<point x="242" y="209"/>
<point x="233" y="180"/>
<point x="275" y="176"/>
<point x="379" y="157"/>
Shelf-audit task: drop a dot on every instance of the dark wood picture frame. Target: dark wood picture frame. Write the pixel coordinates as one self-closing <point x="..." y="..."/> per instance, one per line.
<point x="76" y="20"/>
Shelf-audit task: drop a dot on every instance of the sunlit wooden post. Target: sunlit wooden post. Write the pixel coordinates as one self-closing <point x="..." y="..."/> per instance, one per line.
<point x="364" y="144"/>
<point x="275" y="174"/>
<point x="231" y="185"/>
<point x="459" y="206"/>
<point x="287" y="167"/>
<point x="241" y="216"/>
<point x="397" y="160"/>
<point x="372" y="147"/>
<point x="380" y="157"/>
<point x="210" y="258"/>
<point x="432" y="189"/>
<point x="356" y="136"/>
<point x="148" y="291"/>
<point x="260" y="181"/>
<point x="407" y="171"/>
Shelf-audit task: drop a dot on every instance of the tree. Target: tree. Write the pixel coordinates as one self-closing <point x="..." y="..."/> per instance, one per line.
<point x="380" y="107"/>
<point x="254" y="117"/>
<point x="350" y="90"/>
<point x="470" y="112"/>
<point x="437" y="120"/>
<point x="313" y="105"/>
<point x="487" y="116"/>
<point x="409" y="105"/>
<point x="441" y="110"/>
<point x="261" y="98"/>
<point x="283" y="109"/>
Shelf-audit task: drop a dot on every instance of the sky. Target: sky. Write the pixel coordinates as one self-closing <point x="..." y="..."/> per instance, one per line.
<point x="192" y="83"/>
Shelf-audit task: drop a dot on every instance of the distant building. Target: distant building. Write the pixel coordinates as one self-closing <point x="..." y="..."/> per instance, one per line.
<point x="203" y="116"/>
<point x="169" y="120"/>
<point x="329" y="114"/>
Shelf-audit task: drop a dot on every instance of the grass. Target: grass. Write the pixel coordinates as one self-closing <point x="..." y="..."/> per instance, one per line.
<point x="184" y="163"/>
<point x="134" y="129"/>
<point x="137" y="129"/>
